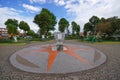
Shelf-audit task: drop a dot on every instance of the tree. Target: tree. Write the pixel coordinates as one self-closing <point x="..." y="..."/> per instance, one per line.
<point x="30" y="33"/>
<point x="63" y="24"/>
<point x="94" y="20"/>
<point x="12" y="21"/>
<point x="109" y="26"/>
<point x="105" y="28"/>
<point x="75" y="28"/>
<point x="115" y="23"/>
<point x="91" y="25"/>
<point x="116" y="26"/>
<point x="88" y="27"/>
<point x="45" y="20"/>
<point x="24" y="26"/>
<point x="102" y="20"/>
<point x="74" y="25"/>
<point x="12" y="29"/>
<point x="78" y="29"/>
<point x="12" y="25"/>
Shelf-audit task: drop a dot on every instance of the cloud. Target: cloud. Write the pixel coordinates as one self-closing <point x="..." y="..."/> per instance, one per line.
<point x="60" y="2"/>
<point x="77" y="10"/>
<point x="82" y="10"/>
<point x="31" y="8"/>
<point x="37" y="1"/>
<point x="7" y="13"/>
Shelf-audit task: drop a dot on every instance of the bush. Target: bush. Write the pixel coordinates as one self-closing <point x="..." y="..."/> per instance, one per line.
<point x="109" y="38"/>
<point x="118" y="38"/>
<point x="51" y="37"/>
<point x="69" y="37"/>
<point x="6" y="41"/>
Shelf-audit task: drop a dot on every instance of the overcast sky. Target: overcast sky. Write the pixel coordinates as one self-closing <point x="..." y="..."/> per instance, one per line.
<point x="73" y="10"/>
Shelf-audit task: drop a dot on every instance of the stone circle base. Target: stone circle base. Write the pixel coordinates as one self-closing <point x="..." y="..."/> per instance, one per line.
<point x="33" y="59"/>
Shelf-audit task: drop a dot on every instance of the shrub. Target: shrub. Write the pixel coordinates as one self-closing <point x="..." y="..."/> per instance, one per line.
<point x="6" y="41"/>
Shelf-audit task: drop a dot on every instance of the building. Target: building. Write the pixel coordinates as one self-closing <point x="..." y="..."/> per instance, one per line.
<point x="3" y="33"/>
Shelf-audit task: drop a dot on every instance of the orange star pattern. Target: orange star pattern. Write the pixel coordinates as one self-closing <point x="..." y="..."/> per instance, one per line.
<point x="69" y="50"/>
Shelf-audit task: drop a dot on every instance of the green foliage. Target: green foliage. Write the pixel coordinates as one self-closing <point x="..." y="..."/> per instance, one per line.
<point x="115" y="23"/>
<point x="75" y="28"/>
<point x="12" y="21"/>
<point x="91" y="25"/>
<point x="45" y="20"/>
<point x="70" y="37"/>
<point x="104" y="27"/>
<point x="63" y="24"/>
<point x="12" y="29"/>
<point x="24" y="26"/>
<point x="6" y="41"/>
<point x="88" y="27"/>
<point x="51" y="37"/>
<point x="31" y="33"/>
<point x="102" y="20"/>
<point x="74" y="24"/>
<point x="94" y="20"/>
<point x="109" y="26"/>
<point x="12" y="25"/>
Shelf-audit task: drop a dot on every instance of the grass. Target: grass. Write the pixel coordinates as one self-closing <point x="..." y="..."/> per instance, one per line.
<point x="21" y="42"/>
<point x="103" y="42"/>
<point x="107" y="42"/>
<point x="17" y="43"/>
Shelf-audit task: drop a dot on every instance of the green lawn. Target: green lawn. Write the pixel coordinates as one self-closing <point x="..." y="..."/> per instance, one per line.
<point x="107" y="42"/>
<point x="103" y="42"/>
<point x="12" y="43"/>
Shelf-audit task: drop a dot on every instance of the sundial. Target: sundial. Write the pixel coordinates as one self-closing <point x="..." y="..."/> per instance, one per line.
<point x="57" y="58"/>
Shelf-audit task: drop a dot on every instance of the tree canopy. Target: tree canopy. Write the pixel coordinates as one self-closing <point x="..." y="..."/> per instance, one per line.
<point x="91" y="25"/>
<point x="12" y="29"/>
<point x="78" y="29"/>
<point x="75" y="28"/>
<point x="107" y="26"/>
<point x="46" y="21"/>
<point x="12" y="25"/>
<point x="104" y="28"/>
<point x="31" y="33"/>
<point x="94" y="20"/>
<point x="24" y="26"/>
<point x="63" y="25"/>
<point x="12" y="21"/>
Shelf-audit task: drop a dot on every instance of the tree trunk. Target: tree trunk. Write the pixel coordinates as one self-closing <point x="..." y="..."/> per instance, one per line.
<point x="15" y="39"/>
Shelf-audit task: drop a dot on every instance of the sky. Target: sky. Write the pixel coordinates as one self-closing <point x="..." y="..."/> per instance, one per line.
<point x="79" y="11"/>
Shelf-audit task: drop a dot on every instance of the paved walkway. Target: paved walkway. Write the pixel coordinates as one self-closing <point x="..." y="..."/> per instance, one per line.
<point x="110" y="70"/>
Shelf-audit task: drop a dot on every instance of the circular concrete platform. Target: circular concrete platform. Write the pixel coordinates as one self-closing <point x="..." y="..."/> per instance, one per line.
<point x="45" y="59"/>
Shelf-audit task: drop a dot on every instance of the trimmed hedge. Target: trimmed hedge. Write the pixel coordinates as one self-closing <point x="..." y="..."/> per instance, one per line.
<point x="6" y="41"/>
